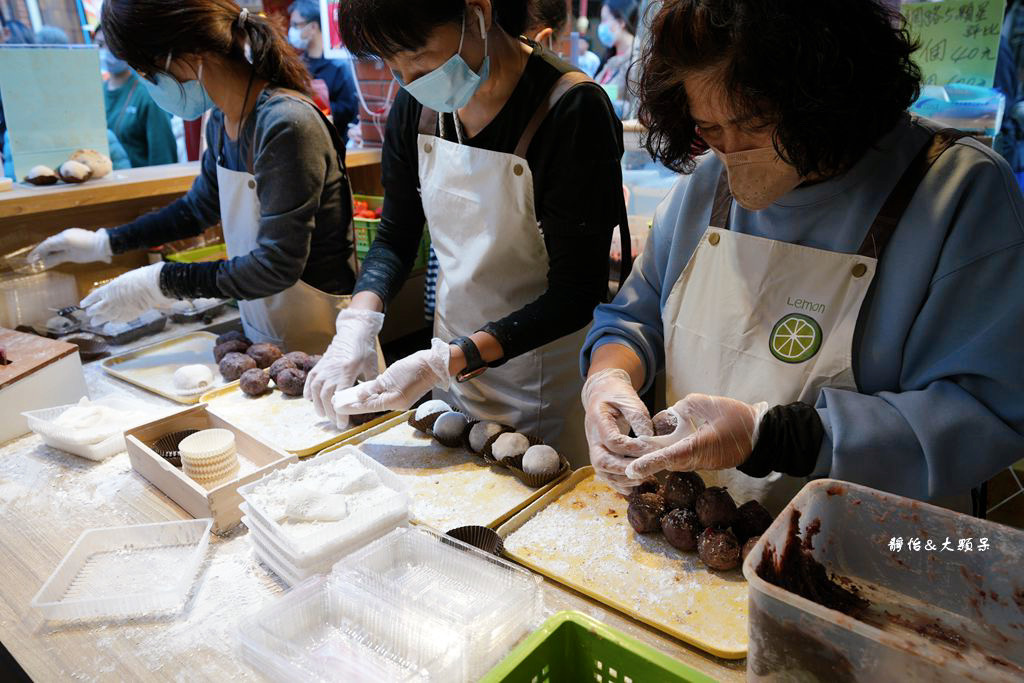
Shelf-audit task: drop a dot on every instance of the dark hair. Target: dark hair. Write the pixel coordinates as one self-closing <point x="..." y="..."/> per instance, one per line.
<point x="832" y="76"/>
<point x="383" y="28"/>
<point x="144" y="32"/>
<point x="625" y="11"/>
<point x="553" y="14"/>
<point x="307" y="9"/>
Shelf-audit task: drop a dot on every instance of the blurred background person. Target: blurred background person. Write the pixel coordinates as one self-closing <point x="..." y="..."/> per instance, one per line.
<point x="306" y="35"/>
<point x="51" y="35"/>
<point x="588" y="60"/>
<point x="547" y="23"/>
<point x="616" y="32"/>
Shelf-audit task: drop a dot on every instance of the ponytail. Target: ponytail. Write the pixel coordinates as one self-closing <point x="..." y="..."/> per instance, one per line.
<point x="272" y="57"/>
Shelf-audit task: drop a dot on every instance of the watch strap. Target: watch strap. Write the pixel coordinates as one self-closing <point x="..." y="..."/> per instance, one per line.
<point x="475" y="364"/>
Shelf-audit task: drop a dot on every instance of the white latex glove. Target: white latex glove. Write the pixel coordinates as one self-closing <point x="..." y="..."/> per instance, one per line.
<point x="613" y="406"/>
<point x="725" y="436"/>
<point x="400" y="385"/>
<point x="352" y="354"/>
<point x="73" y="245"/>
<point x="127" y="296"/>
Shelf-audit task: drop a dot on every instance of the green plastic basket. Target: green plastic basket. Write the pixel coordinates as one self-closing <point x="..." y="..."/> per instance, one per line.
<point x="573" y="648"/>
<point x="366" y="232"/>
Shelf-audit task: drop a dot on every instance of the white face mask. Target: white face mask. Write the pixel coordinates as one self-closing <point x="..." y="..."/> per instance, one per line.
<point x="758" y="177"/>
<point x="295" y="37"/>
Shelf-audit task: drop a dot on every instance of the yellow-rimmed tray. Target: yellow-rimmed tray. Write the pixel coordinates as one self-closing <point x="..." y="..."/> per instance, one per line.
<point x="577" y="534"/>
<point x="287" y="422"/>
<point x="449" y="487"/>
<point x="152" y="367"/>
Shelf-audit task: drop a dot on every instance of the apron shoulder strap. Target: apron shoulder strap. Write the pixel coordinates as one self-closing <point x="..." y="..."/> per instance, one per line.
<point x="565" y="83"/>
<point x="722" y="205"/>
<point x="428" y="122"/>
<point x="896" y="203"/>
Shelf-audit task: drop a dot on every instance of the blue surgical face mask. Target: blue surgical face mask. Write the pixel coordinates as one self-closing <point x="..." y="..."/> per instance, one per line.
<point x="188" y="100"/>
<point x="453" y="84"/>
<point x="605" y="35"/>
<point x="296" y="39"/>
<point x="111" y="64"/>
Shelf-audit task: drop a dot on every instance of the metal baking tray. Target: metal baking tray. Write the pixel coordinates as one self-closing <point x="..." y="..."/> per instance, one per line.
<point x="132" y="334"/>
<point x="203" y="314"/>
<point x="449" y="487"/>
<point x="152" y="367"/>
<point x="588" y="545"/>
<point x="287" y="422"/>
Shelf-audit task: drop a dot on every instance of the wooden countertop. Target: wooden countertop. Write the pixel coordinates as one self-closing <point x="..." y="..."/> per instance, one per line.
<point x="129" y="184"/>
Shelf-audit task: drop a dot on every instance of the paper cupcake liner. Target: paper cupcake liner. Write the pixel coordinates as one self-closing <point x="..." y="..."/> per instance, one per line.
<point x="480" y="537"/>
<point x="209" y="470"/>
<point x="193" y="392"/>
<point x="208" y="444"/>
<point x="535" y="481"/>
<point x="213" y="482"/>
<point x="426" y="424"/>
<point x="504" y="428"/>
<point x="167" y="445"/>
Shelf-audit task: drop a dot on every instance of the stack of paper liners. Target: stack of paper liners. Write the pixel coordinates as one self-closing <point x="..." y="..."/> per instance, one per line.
<point x="209" y="456"/>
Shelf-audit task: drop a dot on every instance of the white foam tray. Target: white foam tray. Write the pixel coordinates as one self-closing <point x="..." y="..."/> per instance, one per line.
<point x="119" y="572"/>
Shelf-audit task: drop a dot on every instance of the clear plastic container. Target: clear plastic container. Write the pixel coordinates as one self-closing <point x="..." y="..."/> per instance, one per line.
<point x="933" y="615"/>
<point x="97" y="443"/>
<point x="127" y="571"/>
<point x="32" y="299"/>
<point x="491" y="602"/>
<point x="277" y="559"/>
<point x="328" y="630"/>
<point x="311" y="544"/>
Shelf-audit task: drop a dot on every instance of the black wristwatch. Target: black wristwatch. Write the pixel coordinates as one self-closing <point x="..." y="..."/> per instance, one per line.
<point x="475" y="365"/>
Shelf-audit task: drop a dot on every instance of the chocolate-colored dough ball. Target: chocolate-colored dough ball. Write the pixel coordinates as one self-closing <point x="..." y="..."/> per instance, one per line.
<point x="300" y="358"/>
<point x="645" y="511"/>
<point x="752" y="519"/>
<point x="264" y="354"/>
<point x="715" y="507"/>
<point x="291" y="381"/>
<point x="748" y="546"/>
<point x="234" y="364"/>
<point x="718" y="549"/>
<point x="665" y="423"/>
<point x="232" y="346"/>
<point x="681" y="529"/>
<point x="280" y="364"/>
<point x="311" y="362"/>
<point x="233" y="335"/>
<point x="356" y="420"/>
<point x="649" y="486"/>
<point x="254" y="382"/>
<point x="682" y="489"/>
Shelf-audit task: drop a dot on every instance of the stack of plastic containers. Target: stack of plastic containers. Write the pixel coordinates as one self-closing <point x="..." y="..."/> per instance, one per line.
<point x="299" y="532"/>
<point x="410" y="606"/>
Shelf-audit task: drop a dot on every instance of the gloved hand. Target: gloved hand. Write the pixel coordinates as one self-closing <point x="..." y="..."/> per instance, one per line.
<point x="127" y="296"/>
<point x="613" y="406"/>
<point x="73" y="245"/>
<point x="400" y="385"/>
<point x="352" y="354"/>
<point x="725" y="436"/>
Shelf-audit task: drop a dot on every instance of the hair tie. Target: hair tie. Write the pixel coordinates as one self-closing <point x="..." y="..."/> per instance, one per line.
<point x="242" y="16"/>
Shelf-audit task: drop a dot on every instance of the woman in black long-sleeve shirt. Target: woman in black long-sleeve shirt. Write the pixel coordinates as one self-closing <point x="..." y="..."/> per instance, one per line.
<point x="512" y="158"/>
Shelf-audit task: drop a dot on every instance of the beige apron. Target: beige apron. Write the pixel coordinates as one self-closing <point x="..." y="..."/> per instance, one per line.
<point x="493" y="261"/>
<point x="300" y="318"/>
<point x="755" y="319"/>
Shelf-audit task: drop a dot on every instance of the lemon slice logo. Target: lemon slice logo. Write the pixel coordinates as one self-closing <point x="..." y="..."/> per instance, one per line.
<point x="796" y="338"/>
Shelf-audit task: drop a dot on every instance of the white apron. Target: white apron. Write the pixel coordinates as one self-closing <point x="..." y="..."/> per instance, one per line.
<point x="755" y="319"/>
<point x="493" y="261"/>
<point x="300" y="318"/>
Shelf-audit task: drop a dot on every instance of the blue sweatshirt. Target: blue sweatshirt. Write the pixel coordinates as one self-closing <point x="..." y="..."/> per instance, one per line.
<point x="940" y="355"/>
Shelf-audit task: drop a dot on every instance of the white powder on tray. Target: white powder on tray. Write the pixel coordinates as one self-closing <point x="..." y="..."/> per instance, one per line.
<point x="449" y="487"/>
<point x="585" y="539"/>
<point x="288" y="422"/>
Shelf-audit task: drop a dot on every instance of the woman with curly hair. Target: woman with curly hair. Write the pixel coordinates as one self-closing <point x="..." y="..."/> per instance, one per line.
<point x="834" y="290"/>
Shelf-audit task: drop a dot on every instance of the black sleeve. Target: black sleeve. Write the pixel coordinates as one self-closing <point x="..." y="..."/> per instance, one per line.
<point x="393" y="253"/>
<point x="577" y="154"/>
<point x="788" y="440"/>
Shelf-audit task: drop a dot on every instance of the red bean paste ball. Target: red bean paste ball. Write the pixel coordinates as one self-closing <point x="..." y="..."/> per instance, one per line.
<point x="682" y="489"/>
<point x="299" y="358"/>
<point x="356" y="420"/>
<point x="291" y="381"/>
<point x="681" y="528"/>
<point x="645" y="511"/>
<point x="748" y="546"/>
<point x="264" y="354"/>
<point x="233" y="335"/>
<point x="715" y="507"/>
<point x="718" y="549"/>
<point x="649" y="486"/>
<point x="234" y="364"/>
<point x="254" y="382"/>
<point x="311" y="362"/>
<point x="752" y="519"/>
<point x="280" y="364"/>
<point x="233" y="346"/>
<point x="665" y="423"/>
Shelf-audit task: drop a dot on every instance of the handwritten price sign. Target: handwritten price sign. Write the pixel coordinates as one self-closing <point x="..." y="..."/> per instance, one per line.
<point x="959" y="39"/>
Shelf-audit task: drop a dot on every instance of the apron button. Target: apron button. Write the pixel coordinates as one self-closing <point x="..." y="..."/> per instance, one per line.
<point x="518" y="169"/>
<point x="714" y="238"/>
<point x="859" y="270"/>
<point x="428" y="148"/>
<point x="252" y="184"/>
